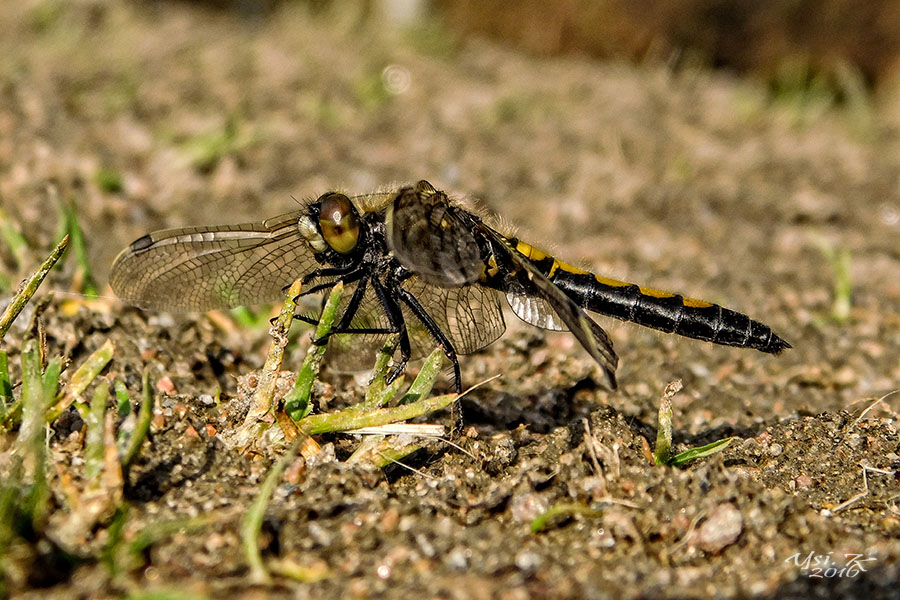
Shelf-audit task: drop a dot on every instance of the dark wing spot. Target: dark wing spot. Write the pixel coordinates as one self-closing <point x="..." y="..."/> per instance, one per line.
<point x="142" y="243"/>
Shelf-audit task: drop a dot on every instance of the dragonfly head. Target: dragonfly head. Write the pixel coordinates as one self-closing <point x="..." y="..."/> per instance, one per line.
<point x="332" y="225"/>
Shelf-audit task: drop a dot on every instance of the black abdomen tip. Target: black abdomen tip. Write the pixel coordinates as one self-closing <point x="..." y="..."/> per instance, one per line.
<point x="776" y="345"/>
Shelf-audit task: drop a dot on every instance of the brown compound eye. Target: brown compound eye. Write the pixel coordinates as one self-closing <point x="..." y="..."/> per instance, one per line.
<point x="338" y="222"/>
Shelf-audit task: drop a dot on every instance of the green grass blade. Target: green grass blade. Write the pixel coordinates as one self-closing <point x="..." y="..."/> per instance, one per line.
<point x="73" y="228"/>
<point x="109" y="180"/>
<point x="94" y="450"/>
<point x="249" y="318"/>
<point x="50" y="384"/>
<point x="662" y="455"/>
<point x="82" y="377"/>
<point x="839" y="259"/>
<point x="30" y="442"/>
<point x="50" y="379"/>
<point x="252" y="521"/>
<point x="123" y="400"/>
<point x="296" y="403"/>
<point x="424" y="381"/>
<point x="542" y="521"/>
<point x="353" y="418"/>
<point x="143" y="423"/>
<point x="9" y="509"/>
<point x="699" y="452"/>
<point x="115" y="534"/>
<point x="14" y="239"/>
<point x="378" y="392"/>
<point x="31" y="286"/>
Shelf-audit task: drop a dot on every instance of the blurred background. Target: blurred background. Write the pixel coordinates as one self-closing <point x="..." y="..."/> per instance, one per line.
<point x="745" y="153"/>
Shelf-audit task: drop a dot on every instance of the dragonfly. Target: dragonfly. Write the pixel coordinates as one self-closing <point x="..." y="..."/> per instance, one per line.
<point x="416" y="264"/>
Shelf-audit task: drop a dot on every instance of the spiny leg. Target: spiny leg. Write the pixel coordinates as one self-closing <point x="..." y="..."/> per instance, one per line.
<point x="348" y="330"/>
<point x="328" y="272"/>
<point x="435" y="331"/>
<point x="349" y="313"/>
<point x="449" y="351"/>
<point x="398" y="325"/>
<point x="348" y="278"/>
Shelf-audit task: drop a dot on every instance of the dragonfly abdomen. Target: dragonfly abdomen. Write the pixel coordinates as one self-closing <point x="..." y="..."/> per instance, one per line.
<point x="668" y="312"/>
<point x="657" y="309"/>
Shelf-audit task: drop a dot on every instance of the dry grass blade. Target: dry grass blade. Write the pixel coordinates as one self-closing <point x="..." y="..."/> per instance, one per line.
<point x="81" y="378"/>
<point x="664" y="434"/>
<point x="31" y="286"/>
<point x="262" y="397"/>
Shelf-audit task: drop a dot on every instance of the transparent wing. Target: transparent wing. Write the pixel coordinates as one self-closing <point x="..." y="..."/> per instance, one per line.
<point x="220" y="266"/>
<point x="470" y="316"/>
<point x="532" y="309"/>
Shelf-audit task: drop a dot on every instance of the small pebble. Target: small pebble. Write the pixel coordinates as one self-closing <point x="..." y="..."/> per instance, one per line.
<point x="721" y="529"/>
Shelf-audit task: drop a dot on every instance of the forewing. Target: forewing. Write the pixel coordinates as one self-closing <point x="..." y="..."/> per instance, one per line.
<point x="524" y="275"/>
<point x="428" y="238"/>
<point x="221" y="266"/>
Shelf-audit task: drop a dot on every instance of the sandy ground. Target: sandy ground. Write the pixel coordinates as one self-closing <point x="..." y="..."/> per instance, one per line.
<point x="691" y="181"/>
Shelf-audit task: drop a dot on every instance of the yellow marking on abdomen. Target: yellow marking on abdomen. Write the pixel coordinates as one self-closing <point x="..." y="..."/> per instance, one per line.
<point x="537" y="255"/>
<point x="655" y="293"/>
<point x="558" y="264"/>
<point x="694" y="303"/>
<point x="611" y="282"/>
<point x="689" y="302"/>
<point x="530" y="251"/>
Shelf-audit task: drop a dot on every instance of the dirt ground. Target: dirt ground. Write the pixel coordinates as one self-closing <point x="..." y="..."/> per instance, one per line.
<point x="152" y="115"/>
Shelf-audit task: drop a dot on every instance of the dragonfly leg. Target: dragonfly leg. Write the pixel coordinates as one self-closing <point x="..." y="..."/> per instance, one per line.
<point x="435" y="331"/>
<point x="338" y="272"/>
<point x="398" y="325"/>
<point x="348" y="277"/>
<point x="449" y="351"/>
<point x="349" y="313"/>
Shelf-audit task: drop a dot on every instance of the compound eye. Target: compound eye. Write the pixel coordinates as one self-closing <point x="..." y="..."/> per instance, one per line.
<point x="338" y="222"/>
